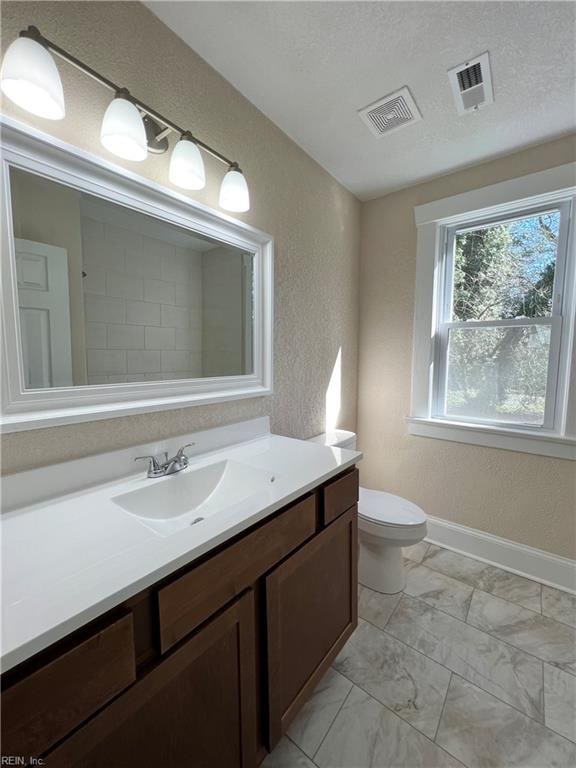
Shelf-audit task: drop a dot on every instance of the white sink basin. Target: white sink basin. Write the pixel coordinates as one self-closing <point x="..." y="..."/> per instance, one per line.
<point x="194" y="495"/>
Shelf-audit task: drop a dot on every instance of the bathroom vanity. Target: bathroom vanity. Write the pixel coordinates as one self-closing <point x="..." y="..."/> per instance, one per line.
<point x="154" y="621"/>
<point x="209" y="664"/>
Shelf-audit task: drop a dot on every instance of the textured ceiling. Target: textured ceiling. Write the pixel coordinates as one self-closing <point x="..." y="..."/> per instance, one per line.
<point x="309" y="66"/>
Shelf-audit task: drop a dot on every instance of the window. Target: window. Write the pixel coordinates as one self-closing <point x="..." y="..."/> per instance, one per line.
<point x="494" y="324"/>
<point x="500" y="320"/>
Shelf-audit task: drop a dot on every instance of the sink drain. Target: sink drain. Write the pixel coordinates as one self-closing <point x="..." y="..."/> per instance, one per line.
<point x="197" y="520"/>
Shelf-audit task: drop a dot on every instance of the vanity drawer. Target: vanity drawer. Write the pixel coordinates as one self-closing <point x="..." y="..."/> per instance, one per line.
<point x="192" y="598"/>
<point x="339" y="496"/>
<point x="46" y="705"/>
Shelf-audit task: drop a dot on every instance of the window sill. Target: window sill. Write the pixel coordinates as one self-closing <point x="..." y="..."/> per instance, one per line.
<point x="525" y="441"/>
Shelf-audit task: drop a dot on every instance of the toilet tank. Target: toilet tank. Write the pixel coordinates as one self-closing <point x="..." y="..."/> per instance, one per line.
<point x="336" y="438"/>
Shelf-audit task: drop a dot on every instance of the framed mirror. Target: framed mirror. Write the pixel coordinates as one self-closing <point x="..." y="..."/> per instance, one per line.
<point x="120" y="296"/>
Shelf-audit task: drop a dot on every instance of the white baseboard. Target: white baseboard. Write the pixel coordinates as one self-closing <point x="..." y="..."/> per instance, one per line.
<point x="526" y="561"/>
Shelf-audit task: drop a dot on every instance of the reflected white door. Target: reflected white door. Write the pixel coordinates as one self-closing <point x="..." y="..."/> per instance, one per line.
<point x="44" y="314"/>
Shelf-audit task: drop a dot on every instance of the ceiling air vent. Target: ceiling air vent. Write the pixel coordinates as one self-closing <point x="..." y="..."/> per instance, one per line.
<point x="472" y="84"/>
<point x="391" y="113"/>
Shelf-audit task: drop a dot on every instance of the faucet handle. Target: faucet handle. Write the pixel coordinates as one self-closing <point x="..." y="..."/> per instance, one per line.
<point x="154" y="462"/>
<point x="151" y="462"/>
<point x="182" y="451"/>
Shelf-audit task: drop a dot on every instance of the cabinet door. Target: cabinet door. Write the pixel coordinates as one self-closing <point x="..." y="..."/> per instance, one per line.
<point x="311" y="603"/>
<point x="196" y="708"/>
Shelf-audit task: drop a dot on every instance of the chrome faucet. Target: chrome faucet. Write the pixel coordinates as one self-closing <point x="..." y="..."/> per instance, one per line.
<point x="160" y="465"/>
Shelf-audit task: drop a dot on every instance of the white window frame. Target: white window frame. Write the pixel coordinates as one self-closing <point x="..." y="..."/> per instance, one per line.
<point x="437" y="223"/>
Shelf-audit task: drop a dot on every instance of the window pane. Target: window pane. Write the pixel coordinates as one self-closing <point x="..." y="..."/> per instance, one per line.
<point x="498" y="373"/>
<point x="506" y="270"/>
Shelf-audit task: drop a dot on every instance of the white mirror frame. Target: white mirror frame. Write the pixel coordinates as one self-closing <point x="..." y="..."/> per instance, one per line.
<point x="31" y="150"/>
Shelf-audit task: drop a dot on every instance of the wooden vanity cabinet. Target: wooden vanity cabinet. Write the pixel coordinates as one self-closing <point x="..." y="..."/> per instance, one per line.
<point x="186" y="601"/>
<point x="61" y="692"/>
<point x="312" y="609"/>
<point x="195" y="708"/>
<point x="208" y="667"/>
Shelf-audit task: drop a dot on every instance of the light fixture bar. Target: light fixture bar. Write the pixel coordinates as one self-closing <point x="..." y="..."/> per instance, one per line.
<point x="163" y="134"/>
<point x="35" y="34"/>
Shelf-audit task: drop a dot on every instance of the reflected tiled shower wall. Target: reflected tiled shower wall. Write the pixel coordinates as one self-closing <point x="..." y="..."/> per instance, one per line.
<point x="226" y="312"/>
<point x="143" y="306"/>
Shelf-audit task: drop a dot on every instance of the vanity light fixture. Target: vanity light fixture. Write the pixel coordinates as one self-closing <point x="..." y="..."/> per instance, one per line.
<point x="130" y="129"/>
<point x="123" y="131"/>
<point x="30" y="78"/>
<point x="186" y="164"/>
<point x="234" y="195"/>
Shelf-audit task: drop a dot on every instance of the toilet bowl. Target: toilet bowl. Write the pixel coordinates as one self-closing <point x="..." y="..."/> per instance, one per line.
<point x="386" y="523"/>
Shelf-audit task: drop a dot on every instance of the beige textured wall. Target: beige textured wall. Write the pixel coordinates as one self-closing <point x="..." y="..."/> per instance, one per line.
<point x="526" y="498"/>
<point x="315" y="222"/>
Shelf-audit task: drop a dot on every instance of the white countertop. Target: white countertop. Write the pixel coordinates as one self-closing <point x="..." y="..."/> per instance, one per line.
<point x="70" y="559"/>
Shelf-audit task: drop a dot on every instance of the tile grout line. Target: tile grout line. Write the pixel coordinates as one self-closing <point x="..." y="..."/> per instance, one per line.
<point x="452" y="675"/>
<point x="551" y="618"/>
<point x="443" y="707"/>
<point x="458" y="759"/>
<point x="435" y="607"/>
<point x="372" y="696"/>
<point x="469" y="606"/>
<point x="393" y="611"/>
<point x="486" y="565"/>
<point x="542" y="725"/>
<point x="451" y="671"/>
<point x="406" y="645"/>
<point x="541" y="600"/>
<point x="335" y="716"/>
<point x="563" y="735"/>
<point x="557" y="621"/>
<point x="484" y="631"/>
<point x="441" y="573"/>
<point x="475" y="586"/>
<point x="510" y="644"/>
<point x="478" y="685"/>
<point x="544" y="696"/>
<point x="413" y="727"/>
<point x="418" y="562"/>
<point x="297" y="747"/>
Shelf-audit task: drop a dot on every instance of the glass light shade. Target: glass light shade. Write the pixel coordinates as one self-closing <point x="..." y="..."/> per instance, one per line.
<point x="29" y="77"/>
<point x="186" y="166"/>
<point x="234" y="195"/>
<point x="123" y="131"/>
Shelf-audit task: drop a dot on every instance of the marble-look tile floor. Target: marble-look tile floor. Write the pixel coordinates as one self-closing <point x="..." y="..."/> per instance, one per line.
<point x="469" y="667"/>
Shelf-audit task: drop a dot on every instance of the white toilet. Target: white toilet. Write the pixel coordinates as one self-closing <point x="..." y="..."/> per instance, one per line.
<point x="386" y="523"/>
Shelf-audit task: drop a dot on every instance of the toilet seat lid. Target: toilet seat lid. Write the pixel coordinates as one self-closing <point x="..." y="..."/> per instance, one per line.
<point x="388" y="509"/>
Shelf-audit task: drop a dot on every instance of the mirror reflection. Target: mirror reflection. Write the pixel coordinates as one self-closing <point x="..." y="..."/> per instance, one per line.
<point x="109" y="295"/>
